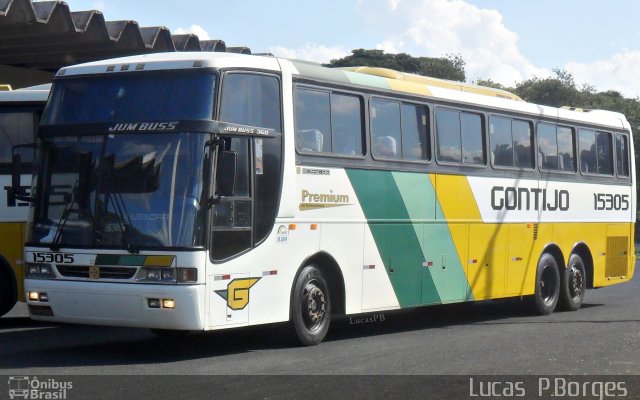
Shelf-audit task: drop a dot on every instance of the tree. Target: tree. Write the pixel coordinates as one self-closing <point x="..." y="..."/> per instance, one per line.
<point x="447" y="67"/>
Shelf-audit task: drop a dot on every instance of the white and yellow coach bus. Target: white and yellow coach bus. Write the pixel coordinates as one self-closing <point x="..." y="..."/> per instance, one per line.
<point x="20" y="111"/>
<point x="208" y="191"/>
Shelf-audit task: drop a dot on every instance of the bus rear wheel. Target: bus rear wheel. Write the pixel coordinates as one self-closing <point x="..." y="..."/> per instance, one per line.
<point x="574" y="284"/>
<point x="7" y="298"/>
<point x="311" y="306"/>
<point x="547" y="291"/>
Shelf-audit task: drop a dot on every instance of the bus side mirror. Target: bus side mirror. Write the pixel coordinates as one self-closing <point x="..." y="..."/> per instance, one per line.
<point x="16" y="191"/>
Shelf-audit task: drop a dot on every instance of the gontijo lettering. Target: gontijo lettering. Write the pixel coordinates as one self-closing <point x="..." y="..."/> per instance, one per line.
<point x="512" y="198"/>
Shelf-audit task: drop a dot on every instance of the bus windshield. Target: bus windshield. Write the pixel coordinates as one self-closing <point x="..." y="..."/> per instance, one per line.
<point x="128" y="190"/>
<point x="139" y="97"/>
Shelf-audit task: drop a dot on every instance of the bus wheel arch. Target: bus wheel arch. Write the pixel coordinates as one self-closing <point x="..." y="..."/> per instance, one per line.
<point x="317" y="294"/>
<point x="8" y="287"/>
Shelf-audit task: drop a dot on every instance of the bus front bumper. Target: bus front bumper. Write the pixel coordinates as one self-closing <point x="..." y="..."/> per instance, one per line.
<point x="117" y="304"/>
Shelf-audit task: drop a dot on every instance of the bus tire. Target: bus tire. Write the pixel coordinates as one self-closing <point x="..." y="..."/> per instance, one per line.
<point x="311" y="306"/>
<point x="547" y="292"/>
<point x="573" y="284"/>
<point x="7" y="295"/>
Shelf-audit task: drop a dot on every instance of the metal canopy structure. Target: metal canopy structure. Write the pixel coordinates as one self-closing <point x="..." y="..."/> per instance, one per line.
<point x="46" y="35"/>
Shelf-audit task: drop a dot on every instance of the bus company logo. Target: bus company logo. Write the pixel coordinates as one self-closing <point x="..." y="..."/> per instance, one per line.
<point x="282" y="237"/>
<point x="237" y="293"/>
<point x="144" y="126"/>
<point x="24" y="387"/>
<point x="312" y="201"/>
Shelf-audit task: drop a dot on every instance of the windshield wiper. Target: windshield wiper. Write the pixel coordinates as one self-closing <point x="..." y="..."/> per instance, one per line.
<point x="55" y="243"/>
<point x="124" y="221"/>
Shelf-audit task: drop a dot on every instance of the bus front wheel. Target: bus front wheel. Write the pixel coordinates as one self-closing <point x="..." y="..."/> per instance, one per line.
<point x="311" y="306"/>
<point x="574" y="284"/>
<point x="547" y="291"/>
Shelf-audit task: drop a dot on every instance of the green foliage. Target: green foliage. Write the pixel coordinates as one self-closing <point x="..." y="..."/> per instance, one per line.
<point x="448" y="67"/>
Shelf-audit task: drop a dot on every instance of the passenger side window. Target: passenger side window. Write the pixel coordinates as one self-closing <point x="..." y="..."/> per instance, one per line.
<point x="622" y="156"/>
<point x="460" y="137"/>
<point x="327" y="122"/>
<point x="399" y="130"/>
<point x="511" y="142"/>
<point x="596" y="153"/>
<point x="385" y="129"/>
<point x="556" y="148"/>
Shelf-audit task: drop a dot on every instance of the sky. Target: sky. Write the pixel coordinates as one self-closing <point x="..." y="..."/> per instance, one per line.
<point x="507" y="41"/>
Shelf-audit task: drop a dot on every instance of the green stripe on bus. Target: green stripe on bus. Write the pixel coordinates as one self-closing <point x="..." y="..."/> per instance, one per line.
<point x="435" y="238"/>
<point x="395" y="236"/>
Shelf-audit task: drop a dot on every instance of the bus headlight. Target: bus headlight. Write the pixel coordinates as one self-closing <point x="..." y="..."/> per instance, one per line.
<point x="153" y="274"/>
<point x="168" y="275"/>
<point x="39" y="271"/>
<point x="160" y="275"/>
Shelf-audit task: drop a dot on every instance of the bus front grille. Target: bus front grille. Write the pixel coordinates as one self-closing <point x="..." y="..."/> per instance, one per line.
<point x="81" y="271"/>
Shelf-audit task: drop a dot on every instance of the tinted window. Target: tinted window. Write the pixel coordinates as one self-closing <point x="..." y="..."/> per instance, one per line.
<point x="460" y="137"/>
<point x="15" y="128"/>
<point x="596" y="152"/>
<point x="556" y="147"/>
<point x="328" y="122"/>
<point x="501" y="141"/>
<point x="385" y="128"/>
<point x="144" y="96"/>
<point x="605" y="153"/>
<point x="415" y="138"/>
<point x="511" y="142"/>
<point x="522" y="143"/>
<point x="547" y="146"/>
<point x="346" y="124"/>
<point x="587" y="145"/>
<point x="622" y="155"/>
<point x="313" y="120"/>
<point x="566" y="152"/>
<point x="251" y="99"/>
<point x="399" y="130"/>
<point x="448" y="134"/>
<point x="472" y="139"/>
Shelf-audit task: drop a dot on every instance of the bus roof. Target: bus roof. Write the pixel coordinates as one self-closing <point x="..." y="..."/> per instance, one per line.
<point x="377" y="78"/>
<point x="38" y="93"/>
<point x="429" y="81"/>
